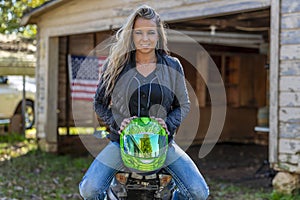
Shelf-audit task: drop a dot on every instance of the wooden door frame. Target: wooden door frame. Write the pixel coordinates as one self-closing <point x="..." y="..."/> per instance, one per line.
<point x="274" y="81"/>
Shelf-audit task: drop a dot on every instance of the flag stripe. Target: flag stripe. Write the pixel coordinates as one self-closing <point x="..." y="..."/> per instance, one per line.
<point x="82" y="95"/>
<point x="81" y="81"/>
<point x="84" y="88"/>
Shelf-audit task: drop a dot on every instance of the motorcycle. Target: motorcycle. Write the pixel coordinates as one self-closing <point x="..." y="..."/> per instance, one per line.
<point x="143" y="146"/>
<point x="128" y="185"/>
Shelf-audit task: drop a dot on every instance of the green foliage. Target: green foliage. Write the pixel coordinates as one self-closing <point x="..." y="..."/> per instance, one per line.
<point x="278" y="196"/>
<point x="11" y="14"/>
<point x="12" y="138"/>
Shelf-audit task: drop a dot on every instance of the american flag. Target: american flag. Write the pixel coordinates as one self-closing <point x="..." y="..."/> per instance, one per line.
<point x="84" y="76"/>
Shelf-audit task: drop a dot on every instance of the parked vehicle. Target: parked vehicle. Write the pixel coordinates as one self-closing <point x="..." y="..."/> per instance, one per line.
<point x="11" y="95"/>
<point x="143" y="146"/>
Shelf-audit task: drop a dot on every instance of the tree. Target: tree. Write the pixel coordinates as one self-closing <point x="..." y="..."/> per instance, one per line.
<point x="145" y="145"/>
<point x="11" y="14"/>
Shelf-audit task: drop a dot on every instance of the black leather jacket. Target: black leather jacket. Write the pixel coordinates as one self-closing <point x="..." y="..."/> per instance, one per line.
<point x="175" y="100"/>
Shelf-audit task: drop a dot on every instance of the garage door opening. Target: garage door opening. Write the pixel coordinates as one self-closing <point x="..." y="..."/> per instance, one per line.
<point x="239" y="46"/>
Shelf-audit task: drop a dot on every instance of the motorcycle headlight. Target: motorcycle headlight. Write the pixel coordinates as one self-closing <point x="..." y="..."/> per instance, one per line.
<point x="164" y="179"/>
<point x="122" y="177"/>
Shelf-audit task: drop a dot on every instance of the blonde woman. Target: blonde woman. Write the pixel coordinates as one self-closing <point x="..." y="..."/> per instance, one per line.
<point x="141" y="79"/>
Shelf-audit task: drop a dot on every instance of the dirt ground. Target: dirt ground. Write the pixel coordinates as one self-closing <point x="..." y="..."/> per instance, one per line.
<point x="239" y="164"/>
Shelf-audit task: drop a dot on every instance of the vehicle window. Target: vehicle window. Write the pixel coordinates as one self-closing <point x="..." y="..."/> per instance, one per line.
<point x="3" y="79"/>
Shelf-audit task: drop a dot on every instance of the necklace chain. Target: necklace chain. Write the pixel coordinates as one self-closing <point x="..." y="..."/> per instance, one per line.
<point x="146" y="64"/>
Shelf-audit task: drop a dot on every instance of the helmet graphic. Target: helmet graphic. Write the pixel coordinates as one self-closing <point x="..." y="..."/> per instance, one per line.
<point x="144" y="144"/>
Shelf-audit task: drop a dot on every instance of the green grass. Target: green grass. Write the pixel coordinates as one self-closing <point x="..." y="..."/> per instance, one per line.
<point x="277" y="196"/>
<point x="11" y="138"/>
<point x="27" y="173"/>
<point x="224" y="190"/>
<point x="15" y="145"/>
<point x="40" y="175"/>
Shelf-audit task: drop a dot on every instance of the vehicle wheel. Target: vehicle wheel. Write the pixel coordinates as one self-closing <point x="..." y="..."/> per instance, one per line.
<point x="29" y="113"/>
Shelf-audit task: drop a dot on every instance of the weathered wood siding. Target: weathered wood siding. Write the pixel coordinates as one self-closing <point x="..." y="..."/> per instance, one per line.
<point x="289" y="87"/>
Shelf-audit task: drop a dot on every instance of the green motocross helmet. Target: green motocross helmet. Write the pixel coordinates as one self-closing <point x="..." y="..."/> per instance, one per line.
<point x="144" y="145"/>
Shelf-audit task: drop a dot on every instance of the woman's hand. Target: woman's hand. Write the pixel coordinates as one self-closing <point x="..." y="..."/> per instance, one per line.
<point x="162" y="123"/>
<point x="125" y="122"/>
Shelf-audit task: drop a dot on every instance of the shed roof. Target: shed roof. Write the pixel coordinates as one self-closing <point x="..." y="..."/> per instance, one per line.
<point x="31" y="16"/>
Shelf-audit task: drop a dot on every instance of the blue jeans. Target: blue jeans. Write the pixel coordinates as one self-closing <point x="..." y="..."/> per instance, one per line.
<point x="186" y="175"/>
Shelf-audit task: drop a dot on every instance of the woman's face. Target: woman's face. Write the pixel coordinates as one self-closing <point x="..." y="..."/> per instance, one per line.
<point x="145" y="35"/>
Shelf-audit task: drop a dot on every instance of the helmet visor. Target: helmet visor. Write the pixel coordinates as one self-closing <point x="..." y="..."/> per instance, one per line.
<point x="145" y="145"/>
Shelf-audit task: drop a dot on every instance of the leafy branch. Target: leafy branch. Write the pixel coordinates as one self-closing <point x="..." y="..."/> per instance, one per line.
<point x="12" y="12"/>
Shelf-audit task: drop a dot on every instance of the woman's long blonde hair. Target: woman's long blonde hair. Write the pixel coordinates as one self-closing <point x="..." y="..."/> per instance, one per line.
<point x="120" y="51"/>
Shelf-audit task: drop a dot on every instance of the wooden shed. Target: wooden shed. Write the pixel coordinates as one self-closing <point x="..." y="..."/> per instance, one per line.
<point x="255" y="46"/>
